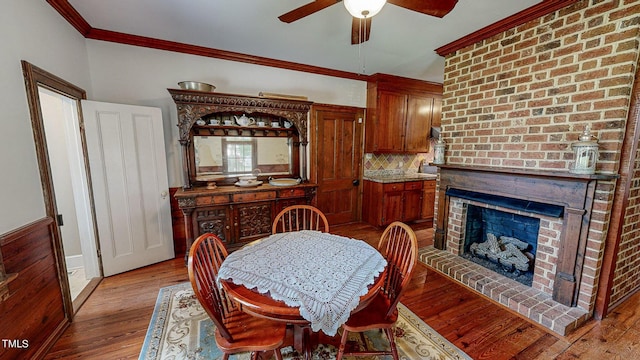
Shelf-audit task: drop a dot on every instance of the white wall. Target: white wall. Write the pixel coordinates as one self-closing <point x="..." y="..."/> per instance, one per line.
<point x="35" y="32"/>
<point x="141" y="76"/>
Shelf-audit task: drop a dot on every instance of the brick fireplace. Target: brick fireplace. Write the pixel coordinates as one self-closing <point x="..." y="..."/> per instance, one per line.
<point x="519" y="97"/>
<point x="564" y="273"/>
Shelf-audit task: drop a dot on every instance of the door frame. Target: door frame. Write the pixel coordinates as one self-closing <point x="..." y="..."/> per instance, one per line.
<point x="313" y="138"/>
<point x="34" y="78"/>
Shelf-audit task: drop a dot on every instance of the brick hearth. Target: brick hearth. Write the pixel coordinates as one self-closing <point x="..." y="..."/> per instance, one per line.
<point x="527" y="301"/>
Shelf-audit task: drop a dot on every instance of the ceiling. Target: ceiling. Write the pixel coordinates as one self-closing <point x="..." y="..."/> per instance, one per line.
<point x="402" y="41"/>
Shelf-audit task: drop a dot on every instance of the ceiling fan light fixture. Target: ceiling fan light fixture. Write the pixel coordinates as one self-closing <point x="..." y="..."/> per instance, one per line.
<point x="364" y="8"/>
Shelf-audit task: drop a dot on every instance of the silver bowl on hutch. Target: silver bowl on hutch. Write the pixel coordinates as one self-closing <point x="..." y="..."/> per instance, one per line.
<point x="196" y="85"/>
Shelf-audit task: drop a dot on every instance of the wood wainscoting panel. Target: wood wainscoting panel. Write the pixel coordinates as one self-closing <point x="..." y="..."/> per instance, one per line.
<point x="33" y="317"/>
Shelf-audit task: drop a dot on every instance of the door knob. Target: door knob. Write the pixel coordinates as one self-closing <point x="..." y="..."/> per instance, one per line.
<point x="356" y="182"/>
<point x="164" y="194"/>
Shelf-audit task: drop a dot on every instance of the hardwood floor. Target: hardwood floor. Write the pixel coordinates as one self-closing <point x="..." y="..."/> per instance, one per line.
<point x="113" y="322"/>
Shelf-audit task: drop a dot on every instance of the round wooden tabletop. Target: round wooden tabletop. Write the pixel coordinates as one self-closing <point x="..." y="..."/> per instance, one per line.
<point x="263" y="305"/>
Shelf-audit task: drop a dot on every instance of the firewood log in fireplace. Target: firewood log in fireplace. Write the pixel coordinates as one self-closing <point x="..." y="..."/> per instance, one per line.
<point x="506" y="251"/>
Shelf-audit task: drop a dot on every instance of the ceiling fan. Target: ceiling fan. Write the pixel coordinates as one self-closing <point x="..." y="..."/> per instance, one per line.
<point x="361" y="27"/>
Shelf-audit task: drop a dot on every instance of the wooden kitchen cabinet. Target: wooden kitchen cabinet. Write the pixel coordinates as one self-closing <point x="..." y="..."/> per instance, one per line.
<point x="418" y="123"/>
<point x="412" y="201"/>
<point x="386" y="134"/>
<point x="428" y="199"/>
<point x="437" y="112"/>
<point x="384" y="203"/>
<point x="390" y="210"/>
<point x="400" y="112"/>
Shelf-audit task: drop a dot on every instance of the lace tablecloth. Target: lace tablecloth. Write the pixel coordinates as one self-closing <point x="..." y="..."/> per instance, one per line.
<point x="322" y="274"/>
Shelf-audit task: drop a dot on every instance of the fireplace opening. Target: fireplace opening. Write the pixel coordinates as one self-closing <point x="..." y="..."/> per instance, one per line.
<point x="503" y="242"/>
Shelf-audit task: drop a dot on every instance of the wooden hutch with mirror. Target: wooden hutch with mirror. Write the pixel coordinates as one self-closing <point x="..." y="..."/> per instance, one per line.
<point x="225" y="138"/>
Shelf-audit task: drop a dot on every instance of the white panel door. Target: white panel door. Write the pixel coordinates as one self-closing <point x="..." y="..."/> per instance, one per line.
<point x="125" y="145"/>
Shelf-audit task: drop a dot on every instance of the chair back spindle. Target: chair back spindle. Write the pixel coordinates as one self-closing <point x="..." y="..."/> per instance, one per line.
<point x="205" y="257"/>
<point x="399" y="245"/>
<point x="300" y="217"/>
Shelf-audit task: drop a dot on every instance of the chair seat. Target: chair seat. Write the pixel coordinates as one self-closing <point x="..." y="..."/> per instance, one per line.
<point x="372" y="316"/>
<point x="251" y="333"/>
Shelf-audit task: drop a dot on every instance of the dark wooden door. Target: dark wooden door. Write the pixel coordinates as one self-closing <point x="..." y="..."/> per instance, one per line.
<point x="336" y="146"/>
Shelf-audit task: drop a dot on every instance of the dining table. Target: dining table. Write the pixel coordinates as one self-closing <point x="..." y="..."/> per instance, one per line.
<point x="309" y="279"/>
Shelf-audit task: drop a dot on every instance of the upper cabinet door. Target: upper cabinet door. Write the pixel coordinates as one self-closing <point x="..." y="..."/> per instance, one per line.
<point x="419" y="115"/>
<point x="437" y="112"/>
<point x="400" y="114"/>
<point x="388" y="127"/>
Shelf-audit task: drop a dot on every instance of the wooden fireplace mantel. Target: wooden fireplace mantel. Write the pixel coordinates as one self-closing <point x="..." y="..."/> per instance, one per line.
<point x="574" y="192"/>
<point x="531" y="173"/>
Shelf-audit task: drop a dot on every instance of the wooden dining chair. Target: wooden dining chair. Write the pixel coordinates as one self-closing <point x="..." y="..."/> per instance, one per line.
<point x="236" y="331"/>
<point x="399" y="246"/>
<point x="300" y="217"/>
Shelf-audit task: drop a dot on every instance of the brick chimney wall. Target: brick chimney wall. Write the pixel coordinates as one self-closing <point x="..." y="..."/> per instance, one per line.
<point x="520" y="98"/>
<point x="627" y="273"/>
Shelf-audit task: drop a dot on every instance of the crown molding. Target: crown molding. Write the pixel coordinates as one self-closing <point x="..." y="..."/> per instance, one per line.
<point x="72" y="15"/>
<point x="74" y="18"/>
<point x="534" y="12"/>
<point x="136" y="40"/>
<point x="79" y="23"/>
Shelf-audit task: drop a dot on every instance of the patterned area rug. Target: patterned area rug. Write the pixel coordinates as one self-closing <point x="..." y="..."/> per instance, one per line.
<point x="181" y="329"/>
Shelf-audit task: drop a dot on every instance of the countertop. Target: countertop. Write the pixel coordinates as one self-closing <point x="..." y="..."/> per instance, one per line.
<point x="394" y="178"/>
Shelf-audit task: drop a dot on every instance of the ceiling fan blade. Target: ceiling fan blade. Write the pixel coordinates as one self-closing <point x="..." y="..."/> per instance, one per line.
<point x="360" y="30"/>
<point x="306" y="10"/>
<point x="437" y="8"/>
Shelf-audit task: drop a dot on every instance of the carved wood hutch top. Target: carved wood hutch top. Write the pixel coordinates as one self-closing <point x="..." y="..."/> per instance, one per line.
<point x="195" y="105"/>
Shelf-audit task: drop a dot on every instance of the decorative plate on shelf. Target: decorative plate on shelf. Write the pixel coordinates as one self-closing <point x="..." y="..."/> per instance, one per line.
<point x="284" y="182"/>
<point x="248" y="184"/>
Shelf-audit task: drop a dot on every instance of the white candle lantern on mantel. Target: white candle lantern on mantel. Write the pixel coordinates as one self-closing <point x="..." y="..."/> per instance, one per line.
<point x="438" y="156"/>
<point x="585" y="153"/>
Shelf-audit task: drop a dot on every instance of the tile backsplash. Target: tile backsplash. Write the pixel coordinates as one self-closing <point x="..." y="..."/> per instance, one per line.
<point x="395" y="163"/>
